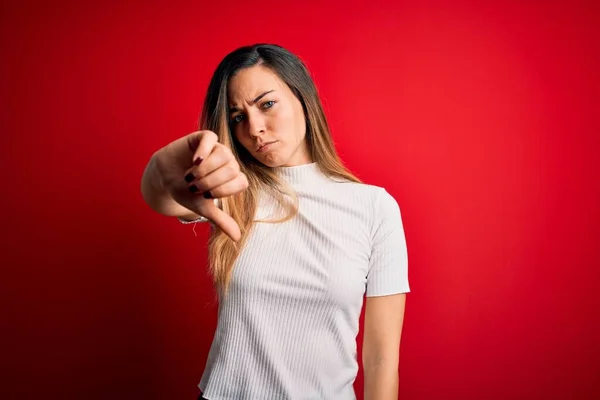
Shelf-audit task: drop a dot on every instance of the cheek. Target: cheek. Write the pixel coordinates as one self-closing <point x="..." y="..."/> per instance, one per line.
<point x="299" y="120"/>
<point x="241" y="139"/>
<point x="236" y="135"/>
<point x="291" y="122"/>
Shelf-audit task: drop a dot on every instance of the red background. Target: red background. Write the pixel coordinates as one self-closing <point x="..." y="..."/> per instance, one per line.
<point x="479" y="119"/>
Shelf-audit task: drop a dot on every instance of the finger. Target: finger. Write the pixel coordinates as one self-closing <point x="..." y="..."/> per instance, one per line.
<point x="223" y="221"/>
<point x="217" y="159"/>
<point x="202" y="143"/>
<point x="217" y="177"/>
<point x="229" y="188"/>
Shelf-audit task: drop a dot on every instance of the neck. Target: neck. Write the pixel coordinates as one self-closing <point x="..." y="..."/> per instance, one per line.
<point x="300" y="173"/>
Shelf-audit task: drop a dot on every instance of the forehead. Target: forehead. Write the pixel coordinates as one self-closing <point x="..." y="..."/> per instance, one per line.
<point x="250" y="82"/>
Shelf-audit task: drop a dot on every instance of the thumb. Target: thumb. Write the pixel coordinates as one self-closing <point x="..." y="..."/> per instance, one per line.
<point x="222" y="220"/>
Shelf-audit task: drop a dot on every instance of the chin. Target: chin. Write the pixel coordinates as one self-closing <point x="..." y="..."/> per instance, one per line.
<point x="272" y="160"/>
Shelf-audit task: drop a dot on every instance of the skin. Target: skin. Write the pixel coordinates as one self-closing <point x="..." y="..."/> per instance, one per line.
<point x="263" y="109"/>
<point x="384" y="317"/>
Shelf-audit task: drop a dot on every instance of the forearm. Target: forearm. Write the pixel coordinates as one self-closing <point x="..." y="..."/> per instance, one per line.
<point x="380" y="382"/>
<point x="384" y="316"/>
<point x="157" y="197"/>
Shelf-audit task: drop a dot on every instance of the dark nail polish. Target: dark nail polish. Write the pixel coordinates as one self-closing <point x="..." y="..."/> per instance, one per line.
<point x="208" y="195"/>
<point x="189" y="177"/>
<point x="198" y="160"/>
<point x="193" y="188"/>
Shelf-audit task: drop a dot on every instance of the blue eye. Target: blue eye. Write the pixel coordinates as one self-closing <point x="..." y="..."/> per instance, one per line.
<point x="268" y="104"/>
<point x="238" y="118"/>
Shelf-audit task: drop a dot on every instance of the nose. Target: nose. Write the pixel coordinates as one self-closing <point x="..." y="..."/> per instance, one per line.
<point x="256" y="124"/>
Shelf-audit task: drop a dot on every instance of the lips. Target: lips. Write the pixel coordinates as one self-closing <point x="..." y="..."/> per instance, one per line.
<point x="260" y="146"/>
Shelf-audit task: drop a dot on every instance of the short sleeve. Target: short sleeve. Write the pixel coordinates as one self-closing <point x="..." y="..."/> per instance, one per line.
<point x="388" y="264"/>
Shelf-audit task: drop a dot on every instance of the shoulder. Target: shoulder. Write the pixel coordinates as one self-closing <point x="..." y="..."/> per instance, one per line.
<point x="375" y="201"/>
<point x="377" y="195"/>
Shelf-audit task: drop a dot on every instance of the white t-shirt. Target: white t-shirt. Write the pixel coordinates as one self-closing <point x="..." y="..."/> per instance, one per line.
<point x="288" y="327"/>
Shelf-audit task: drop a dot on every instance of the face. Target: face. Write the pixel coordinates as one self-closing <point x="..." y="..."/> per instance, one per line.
<point x="266" y="118"/>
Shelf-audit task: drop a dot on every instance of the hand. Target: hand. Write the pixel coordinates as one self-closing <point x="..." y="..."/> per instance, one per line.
<point x="197" y="168"/>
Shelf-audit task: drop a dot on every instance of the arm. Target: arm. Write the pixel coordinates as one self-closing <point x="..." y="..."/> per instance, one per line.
<point x="384" y="317"/>
<point x="157" y="197"/>
<point x="387" y="285"/>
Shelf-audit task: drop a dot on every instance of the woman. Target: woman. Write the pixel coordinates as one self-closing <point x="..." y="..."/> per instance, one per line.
<point x="298" y="241"/>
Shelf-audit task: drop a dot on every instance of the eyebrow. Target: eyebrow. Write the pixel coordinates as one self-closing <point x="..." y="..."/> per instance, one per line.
<point x="234" y="109"/>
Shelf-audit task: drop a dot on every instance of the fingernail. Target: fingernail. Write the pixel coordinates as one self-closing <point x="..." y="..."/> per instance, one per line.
<point x="193" y="188"/>
<point x="189" y="177"/>
<point x="208" y="195"/>
<point x="198" y="160"/>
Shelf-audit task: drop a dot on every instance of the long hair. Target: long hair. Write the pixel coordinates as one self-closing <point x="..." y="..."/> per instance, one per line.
<point x="242" y="206"/>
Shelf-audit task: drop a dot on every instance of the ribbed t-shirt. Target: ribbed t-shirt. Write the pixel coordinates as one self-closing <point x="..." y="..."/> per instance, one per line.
<point x="287" y="328"/>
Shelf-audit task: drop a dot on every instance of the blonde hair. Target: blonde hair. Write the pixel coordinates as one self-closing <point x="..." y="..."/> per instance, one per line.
<point x="242" y="206"/>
